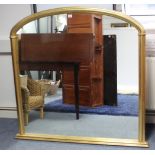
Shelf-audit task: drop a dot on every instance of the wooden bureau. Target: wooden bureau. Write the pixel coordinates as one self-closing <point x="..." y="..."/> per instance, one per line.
<point x="59" y="52"/>
<point x="90" y="73"/>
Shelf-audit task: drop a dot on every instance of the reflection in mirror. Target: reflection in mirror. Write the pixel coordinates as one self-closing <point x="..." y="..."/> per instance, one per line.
<point x="108" y="86"/>
<point x="50" y="24"/>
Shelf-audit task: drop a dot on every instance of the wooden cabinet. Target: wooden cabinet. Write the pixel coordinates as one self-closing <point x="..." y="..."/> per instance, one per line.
<point x="90" y="74"/>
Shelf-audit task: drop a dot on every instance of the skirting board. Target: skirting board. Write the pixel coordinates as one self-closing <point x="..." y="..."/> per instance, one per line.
<point x="8" y="112"/>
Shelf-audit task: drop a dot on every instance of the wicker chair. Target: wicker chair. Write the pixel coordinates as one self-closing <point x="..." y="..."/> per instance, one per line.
<point x="32" y="98"/>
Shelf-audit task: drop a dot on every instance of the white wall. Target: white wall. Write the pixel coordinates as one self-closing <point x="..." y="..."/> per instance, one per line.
<point x="7" y="95"/>
<point x="127" y="54"/>
<point x="10" y="14"/>
<point x="127" y="58"/>
<point x="150" y="88"/>
<point x="41" y="7"/>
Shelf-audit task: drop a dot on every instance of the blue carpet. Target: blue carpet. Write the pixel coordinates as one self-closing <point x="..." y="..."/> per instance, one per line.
<point x="127" y="106"/>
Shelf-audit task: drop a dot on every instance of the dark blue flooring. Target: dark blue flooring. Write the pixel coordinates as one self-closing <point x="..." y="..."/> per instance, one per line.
<point x="127" y="106"/>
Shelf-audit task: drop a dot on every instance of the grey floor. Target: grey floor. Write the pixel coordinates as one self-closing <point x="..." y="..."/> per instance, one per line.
<point x="88" y="125"/>
<point x="9" y="128"/>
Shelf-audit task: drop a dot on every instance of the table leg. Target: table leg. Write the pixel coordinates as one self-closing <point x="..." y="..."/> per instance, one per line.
<point x="76" y="89"/>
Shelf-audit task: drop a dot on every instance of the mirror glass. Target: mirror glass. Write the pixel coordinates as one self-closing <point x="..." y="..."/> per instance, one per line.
<point x="109" y="85"/>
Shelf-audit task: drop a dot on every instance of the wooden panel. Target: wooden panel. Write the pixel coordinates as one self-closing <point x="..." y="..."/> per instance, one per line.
<point x="97" y="92"/>
<point x="84" y="76"/>
<point x="110" y="70"/>
<point x="90" y="73"/>
<point x="84" y="93"/>
<point x="85" y="99"/>
<point x="68" y="76"/>
<point x="98" y="29"/>
<point x="56" y="47"/>
<point x="80" y="30"/>
<point x="79" y="23"/>
<point x="68" y="94"/>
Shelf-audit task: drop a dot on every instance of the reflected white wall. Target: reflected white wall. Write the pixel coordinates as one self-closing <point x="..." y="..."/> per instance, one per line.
<point x="127" y="58"/>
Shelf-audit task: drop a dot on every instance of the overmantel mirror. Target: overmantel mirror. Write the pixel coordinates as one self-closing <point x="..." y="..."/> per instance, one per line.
<point x="80" y="77"/>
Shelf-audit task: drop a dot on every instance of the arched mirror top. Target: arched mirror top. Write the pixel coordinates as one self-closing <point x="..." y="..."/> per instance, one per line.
<point x="63" y="10"/>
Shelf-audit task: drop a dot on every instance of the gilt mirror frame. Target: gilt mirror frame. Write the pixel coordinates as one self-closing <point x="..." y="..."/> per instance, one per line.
<point x="141" y="142"/>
